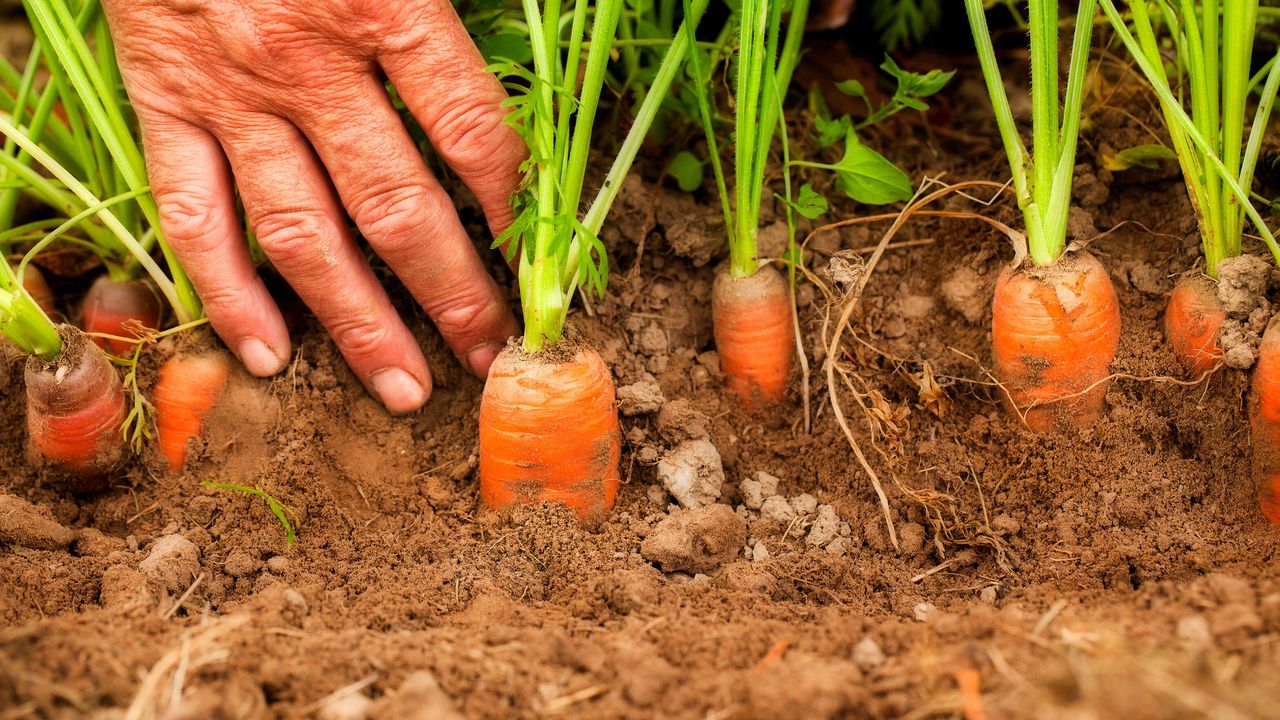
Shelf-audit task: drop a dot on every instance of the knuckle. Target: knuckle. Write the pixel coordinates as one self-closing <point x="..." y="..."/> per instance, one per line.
<point x="393" y="215"/>
<point x="189" y="221"/>
<point x="474" y="138"/>
<point x="226" y="304"/>
<point x="468" y="314"/>
<point x="361" y="335"/>
<point x="292" y="237"/>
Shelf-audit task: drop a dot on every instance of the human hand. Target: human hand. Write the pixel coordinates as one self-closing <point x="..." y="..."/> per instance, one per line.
<point x="286" y="96"/>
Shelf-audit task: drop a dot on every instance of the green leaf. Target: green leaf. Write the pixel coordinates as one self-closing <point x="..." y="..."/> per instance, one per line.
<point x="1147" y="156"/>
<point x="912" y="86"/>
<point x="809" y="203"/>
<point x="852" y="87"/>
<point x="831" y="130"/>
<point x="508" y="46"/>
<point x="866" y="176"/>
<point x="687" y="169"/>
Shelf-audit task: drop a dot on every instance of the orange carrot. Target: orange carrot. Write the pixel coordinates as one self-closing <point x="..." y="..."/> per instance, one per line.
<point x="752" y="322"/>
<point x="112" y="307"/>
<point x="549" y="432"/>
<point x="969" y="682"/>
<point x="1264" y="420"/>
<point x="1055" y="331"/>
<point x="75" y="407"/>
<point x="38" y="288"/>
<point x="1191" y="323"/>
<point x="188" y="388"/>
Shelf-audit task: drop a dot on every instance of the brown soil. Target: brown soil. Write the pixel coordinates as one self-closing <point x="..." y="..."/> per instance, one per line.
<point x="1122" y="572"/>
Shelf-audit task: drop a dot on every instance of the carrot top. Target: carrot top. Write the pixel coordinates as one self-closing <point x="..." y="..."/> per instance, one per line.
<point x="559" y="250"/>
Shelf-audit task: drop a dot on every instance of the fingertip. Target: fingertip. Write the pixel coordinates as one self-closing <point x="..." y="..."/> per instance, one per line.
<point x="481" y="357"/>
<point x="261" y="359"/>
<point x="399" y="391"/>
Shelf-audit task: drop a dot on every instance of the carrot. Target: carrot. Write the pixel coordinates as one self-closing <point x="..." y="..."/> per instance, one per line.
<point x="752" y="323"/>
<point x="549" y="431"/>
<point x="75" y="408"/>
<point x="188" y="388"/>
<point x="1055" y="330"/>
<point x="969" y="682"/>
<point x="38" y="288"/>
<point x="1264" y="420"/>
<point x="1191" y="323"/>
<point x="112" y="307"/>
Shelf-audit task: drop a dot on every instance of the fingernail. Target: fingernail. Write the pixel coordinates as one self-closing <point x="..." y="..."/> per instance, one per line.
<point x="397" y="390"/>
<point x="258" y="359"/>
<point x="482" y="356"/>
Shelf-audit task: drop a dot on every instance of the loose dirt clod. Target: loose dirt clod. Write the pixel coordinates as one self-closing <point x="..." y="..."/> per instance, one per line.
<point x="965" y="292"/>
<point x="172" y="563"/>
<point x="754" y="490"/>
<point x="692" y="473"/>
<point x="695" y="540"/>
<point x="419" y="697"/>
<point x="640" y="398"/>
<point x="22" y="523"/>
<point x="678" y="421"/>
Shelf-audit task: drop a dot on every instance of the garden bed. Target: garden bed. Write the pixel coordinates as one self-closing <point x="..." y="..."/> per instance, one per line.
<point x="1124" y="572"/>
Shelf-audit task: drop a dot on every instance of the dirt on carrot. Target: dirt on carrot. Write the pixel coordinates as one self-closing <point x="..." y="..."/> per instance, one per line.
<point x="1122" y="572"/>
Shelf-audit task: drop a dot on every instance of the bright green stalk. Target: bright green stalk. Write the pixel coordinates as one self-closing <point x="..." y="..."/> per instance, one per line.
<point x="22" y="320"/>
<point x="104" y="215"/>
<point x="97" y="94"/>
<point x="560" y="252"/>
<point x="1214" y="43"/>
<point x="1041" y="177"/>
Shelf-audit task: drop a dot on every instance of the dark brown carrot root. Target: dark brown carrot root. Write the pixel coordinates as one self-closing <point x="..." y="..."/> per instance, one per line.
<point x="1191" y="323"/>
<point x="1264" y="421"/>
<point x="118" y="308"/>
<point x="1055" y="331"/>
<point x="752" y="322"/>
<point x="75" y="409"/>
<point x="38" y="288"/>
<point x="187" y="389"/>
<point x="549" y="432"/>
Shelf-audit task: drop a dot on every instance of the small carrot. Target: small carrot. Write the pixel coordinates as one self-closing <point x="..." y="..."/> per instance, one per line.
<point x="752" y="323"/>
<point x="1054" y="331"/>
<point x="112" y="307"/>
<point x="1191" y="323"/>
<point x="1264" y="420"/>
<point x="75" y="407"/>
<point x="969" y="682"/>
<point x="188" y="387"/>
<point x="776" y="651"/>
<point x="38" y="288"/>
<point x="549" y="432"/>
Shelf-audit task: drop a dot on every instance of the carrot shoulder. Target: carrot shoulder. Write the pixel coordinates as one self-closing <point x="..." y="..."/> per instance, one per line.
<point x="1191" y="323"/>
<point x="75" y="409"/>
<point x="752" y="323"/>
<point x="1055" y="331"/>
<point x="117" y="308"/>
<point x="1264" y="421"/>
<point x="188" y="387"/>
<point x="549" y="432"/>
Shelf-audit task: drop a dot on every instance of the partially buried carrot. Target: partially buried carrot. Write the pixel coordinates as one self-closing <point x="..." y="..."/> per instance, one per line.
<point x="1264" y="421"/>
<point x="38" y="288"/>
<point x="75" y="409"/>
<point x="188" y="387"/>
<point x="1055" y="330"/>
<point x="549" y="431"/>
<point x="752" y="323"/>
<point x="113" y="307"/>
<point x="1191" y="323"/>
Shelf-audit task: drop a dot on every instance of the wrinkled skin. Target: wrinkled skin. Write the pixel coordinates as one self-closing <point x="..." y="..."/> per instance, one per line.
<point x="284" y="98"/>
